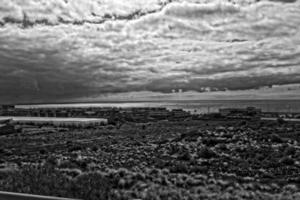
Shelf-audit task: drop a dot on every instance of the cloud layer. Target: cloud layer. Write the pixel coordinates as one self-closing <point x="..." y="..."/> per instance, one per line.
<point x="62" y="50"/>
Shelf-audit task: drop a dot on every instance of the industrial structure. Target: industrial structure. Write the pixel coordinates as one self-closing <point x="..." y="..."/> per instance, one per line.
<point x="59" y="122"/>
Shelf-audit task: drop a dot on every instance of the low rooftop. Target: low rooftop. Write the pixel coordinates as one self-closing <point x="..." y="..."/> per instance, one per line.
<point x="53" y="119"/>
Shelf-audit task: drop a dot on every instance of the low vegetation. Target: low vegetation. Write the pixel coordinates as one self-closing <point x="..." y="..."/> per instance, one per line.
<point x="162" y="160"/>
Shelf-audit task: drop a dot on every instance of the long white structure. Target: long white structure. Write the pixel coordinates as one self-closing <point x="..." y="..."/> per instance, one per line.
<point x="63" y="122"/>
<point x="275" y="119"/>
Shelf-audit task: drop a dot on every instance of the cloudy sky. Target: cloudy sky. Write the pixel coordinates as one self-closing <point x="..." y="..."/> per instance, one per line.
<point x="61" y="50"/>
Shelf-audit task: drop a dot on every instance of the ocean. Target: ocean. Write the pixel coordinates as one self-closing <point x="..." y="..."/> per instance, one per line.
<point x="194" y="106"/>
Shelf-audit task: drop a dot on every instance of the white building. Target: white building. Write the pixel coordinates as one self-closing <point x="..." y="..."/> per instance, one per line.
<point x="59" y="122"/>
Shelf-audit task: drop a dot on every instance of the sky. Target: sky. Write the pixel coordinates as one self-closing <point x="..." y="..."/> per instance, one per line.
<point x="69" y="50"/>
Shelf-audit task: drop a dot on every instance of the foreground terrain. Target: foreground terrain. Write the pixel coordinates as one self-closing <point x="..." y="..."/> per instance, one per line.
<point x="163" y="160"/>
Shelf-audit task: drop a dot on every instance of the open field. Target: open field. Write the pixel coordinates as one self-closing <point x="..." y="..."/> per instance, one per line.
<point x="164" y="160"/>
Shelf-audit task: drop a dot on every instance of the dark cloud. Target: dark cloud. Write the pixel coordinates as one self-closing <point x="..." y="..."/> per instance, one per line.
<point x="56" y="12"/>
<point x="112" y="47"/>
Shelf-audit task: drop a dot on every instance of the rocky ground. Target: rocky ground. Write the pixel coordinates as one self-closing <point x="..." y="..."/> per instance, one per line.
<point x="164" y="160"/>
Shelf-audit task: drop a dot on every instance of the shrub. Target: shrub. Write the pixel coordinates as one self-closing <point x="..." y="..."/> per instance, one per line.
<point x="42" y="151"/>
<point x="242" y="123"/>
<point x="199" y="169"/>
<point x="75" y="148"/>
<point x="210" y="141"/>
<point x="206" y="153"/>
<point x="94" y="148"/>
<point x="68" y="164"/>
<point x="276" y="138"/>
<point x="186" y="156"/>
<point x="92" y="186"/>
<point x="280" y="120"/>
<point x="290" y="150"/>
<point x="287" y="161"/>
<point x="50" y="182"/>
<point x="179" y="168"/>
<point x="222" y="146"/>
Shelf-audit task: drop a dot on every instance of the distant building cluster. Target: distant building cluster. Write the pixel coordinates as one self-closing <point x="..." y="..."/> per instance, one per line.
<point x="112" y="114"/>
<point x="251" y="112"/>
<point x="240" y="112"/>
<point x="96" y="116"/>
